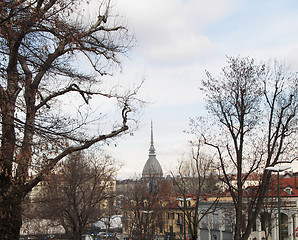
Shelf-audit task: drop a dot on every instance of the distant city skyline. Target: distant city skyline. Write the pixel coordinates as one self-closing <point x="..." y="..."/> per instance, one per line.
<point x="177" y="40"/>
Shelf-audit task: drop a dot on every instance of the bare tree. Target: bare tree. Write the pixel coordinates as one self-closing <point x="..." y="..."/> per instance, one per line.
<point x="76" y="196"/>
<point x="144" y="211"/>
<point x="53" y="60"/>
<point x="194" y="179"/>
<point x="254" y="108"/>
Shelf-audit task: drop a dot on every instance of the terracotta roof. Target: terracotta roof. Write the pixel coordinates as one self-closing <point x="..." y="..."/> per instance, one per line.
<point x="284" y="182"/>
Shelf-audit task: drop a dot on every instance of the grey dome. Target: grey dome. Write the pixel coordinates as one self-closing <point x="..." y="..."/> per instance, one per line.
<point x="152" y="168"/>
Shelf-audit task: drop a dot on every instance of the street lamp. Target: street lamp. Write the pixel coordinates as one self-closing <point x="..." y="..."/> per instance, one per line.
<point x="280" y="169"/>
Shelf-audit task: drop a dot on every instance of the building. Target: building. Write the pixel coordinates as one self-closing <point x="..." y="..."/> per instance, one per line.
<point x="173" y="217"/>
<point x="266" y="226"/>
<point x="156" y="214"/>
<point x="151" y="212"/>
<point x="152" y="216"/>
<point x="152" y="168"/>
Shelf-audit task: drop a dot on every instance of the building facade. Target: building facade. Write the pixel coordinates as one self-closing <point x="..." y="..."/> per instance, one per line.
<point x="267" y="226"/>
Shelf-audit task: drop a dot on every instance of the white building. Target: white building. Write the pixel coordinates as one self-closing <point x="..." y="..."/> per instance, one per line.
<point x="219" y="224"/>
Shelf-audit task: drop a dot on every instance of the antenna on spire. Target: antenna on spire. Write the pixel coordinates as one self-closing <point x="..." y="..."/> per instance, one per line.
<point x="151" y="149"/>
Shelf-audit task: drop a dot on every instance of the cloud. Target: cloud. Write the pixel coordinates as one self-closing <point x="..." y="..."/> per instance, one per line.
<point x="177" y="40"/>
<point x="171" y="31"/>
<point x="181" y="49"/>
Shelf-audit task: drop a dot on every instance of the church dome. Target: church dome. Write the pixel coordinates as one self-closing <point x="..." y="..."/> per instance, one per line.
<point x="152" y="168"/>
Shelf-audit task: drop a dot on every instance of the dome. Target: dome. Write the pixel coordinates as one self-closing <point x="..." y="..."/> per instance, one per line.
<point x="152" y="168"/>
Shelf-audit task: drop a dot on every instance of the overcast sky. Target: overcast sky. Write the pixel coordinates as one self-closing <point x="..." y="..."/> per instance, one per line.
<point x="177" y="40"/>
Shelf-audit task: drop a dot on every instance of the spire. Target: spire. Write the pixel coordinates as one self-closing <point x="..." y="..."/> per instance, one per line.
<point x="151" y="149"/>
<point x="152" y="168"/>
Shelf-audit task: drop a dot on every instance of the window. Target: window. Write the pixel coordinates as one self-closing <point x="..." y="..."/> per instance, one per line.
<point x="228" y="222"/>
<point x="215" y="221"/>
<point x="180" y="218"/>
<point x="205" y="222"/>
<point x="171" y="215"/>
<point x="288" y="190"/>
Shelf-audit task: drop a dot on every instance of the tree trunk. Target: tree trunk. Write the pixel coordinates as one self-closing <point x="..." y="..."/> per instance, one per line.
<point x="76" y="235"/>
<point x="10" y="218"/>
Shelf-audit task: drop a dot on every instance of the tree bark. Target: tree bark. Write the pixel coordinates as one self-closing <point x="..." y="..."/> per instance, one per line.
<point x="10" y="218"/>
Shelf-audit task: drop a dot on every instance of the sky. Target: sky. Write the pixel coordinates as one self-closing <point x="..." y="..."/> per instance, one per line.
<point x="176" y="41"/>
